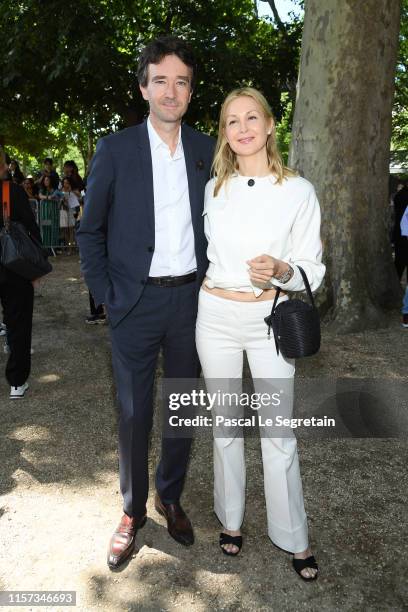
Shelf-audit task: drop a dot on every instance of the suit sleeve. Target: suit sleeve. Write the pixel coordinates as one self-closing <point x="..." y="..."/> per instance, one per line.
<point x="92" y="233"/>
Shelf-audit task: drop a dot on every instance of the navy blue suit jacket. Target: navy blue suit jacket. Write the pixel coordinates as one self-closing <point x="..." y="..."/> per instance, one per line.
<point x="116" y="236"/>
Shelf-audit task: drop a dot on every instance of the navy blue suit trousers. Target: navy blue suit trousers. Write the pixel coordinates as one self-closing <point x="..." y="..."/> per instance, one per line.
<point x="164" y="318"/>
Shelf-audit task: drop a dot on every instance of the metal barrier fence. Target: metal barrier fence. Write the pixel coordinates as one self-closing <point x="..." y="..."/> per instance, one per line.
<point x="56" y="223"/>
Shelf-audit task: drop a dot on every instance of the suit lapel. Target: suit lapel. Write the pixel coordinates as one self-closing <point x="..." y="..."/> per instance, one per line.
<point x="147" y="171"/>
<point x="191" y="168"/>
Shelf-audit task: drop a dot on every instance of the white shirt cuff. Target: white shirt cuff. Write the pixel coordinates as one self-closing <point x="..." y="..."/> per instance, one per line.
<point x="293" y="284"/>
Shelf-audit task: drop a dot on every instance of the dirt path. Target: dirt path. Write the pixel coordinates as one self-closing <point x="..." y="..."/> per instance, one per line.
<point x="60" y="500"/>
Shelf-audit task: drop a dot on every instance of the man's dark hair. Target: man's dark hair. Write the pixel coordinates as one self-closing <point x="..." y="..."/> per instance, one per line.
<point x="157" y="49"/>
<point x="47" y="159"/>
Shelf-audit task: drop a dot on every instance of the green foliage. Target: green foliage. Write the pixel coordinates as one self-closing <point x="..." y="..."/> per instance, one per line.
<point x="68" y="70"/>
<point x="284" y="127"/>
<point x="68" y="73"/>
<point x="77" y="59"/>
<point x="400" y="110"/>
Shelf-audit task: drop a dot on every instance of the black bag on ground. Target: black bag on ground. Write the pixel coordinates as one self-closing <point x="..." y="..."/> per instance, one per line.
<point x="21" y="253"/>
<point x="295" y="325"/>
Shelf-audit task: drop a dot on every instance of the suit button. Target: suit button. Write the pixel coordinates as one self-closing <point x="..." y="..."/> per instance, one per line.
<point x="150" y="249"/>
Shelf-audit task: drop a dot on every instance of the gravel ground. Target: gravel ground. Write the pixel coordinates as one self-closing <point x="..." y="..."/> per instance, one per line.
<point x="60" y="498"/>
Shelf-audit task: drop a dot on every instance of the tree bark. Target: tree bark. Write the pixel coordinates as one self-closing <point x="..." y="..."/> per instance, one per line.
<point x="90" y="148"/>
<point x="341" y="141"/>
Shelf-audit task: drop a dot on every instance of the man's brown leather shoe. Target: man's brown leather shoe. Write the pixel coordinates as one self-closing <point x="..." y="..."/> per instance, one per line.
<point x="122" y="543"/>
<point x="178" y="523"/>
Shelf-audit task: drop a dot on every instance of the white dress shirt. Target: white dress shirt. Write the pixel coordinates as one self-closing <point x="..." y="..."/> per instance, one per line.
<point x="243" y="222"/>
<point x="174" y="253"/>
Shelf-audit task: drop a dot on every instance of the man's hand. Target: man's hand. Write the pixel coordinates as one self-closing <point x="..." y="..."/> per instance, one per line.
<point x="264" y="267"/>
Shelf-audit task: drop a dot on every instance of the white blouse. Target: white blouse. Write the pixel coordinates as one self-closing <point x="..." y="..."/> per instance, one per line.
<point x="243" y="222"/>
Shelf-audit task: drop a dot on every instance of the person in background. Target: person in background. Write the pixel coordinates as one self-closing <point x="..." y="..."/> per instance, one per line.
<point x="48" y="170"/>
<point x="71" y="206"/>
<point x="76" y="178"/>
<point x="49" y="210"/>
<point x="17" y="296"/>
<point x="70" y="170"/>
<point x="48" y="188"/>
<point x="7" y="174"/>
<point x="16" y="175"/>
<point x="97" y="312"/>
<point x="400" y="241"/>
<point x="30" y="188"/>
<point x="404" y="233"/>
<point x="404" y="309"/>
<point x="66" y="170"/>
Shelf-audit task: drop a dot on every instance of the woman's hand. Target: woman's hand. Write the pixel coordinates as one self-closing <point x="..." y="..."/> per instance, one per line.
<point x="265" y="267"/>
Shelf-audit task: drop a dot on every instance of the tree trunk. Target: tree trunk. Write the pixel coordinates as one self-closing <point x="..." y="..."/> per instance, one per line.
<point x="341" y="142"/>
<point x="84" y="155"/>
<point x="90" y="149"/>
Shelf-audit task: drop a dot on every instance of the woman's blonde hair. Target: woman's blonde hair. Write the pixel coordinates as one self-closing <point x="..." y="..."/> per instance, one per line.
<point x="225" y="162"/>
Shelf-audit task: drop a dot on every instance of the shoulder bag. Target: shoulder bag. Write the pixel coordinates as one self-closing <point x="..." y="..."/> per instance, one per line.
<point x="20" y="253"/>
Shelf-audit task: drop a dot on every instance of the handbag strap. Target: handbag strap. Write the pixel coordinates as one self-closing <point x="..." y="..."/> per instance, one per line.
<point x="308" y="290"/>
<point x="306" y="281"/>
<point x="275" y="301"/>
<point x="6" y="201"/>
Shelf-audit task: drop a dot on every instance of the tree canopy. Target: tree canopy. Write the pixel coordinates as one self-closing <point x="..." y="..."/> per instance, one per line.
<point x="78" y="59"/>
<point x="68" y="71"/>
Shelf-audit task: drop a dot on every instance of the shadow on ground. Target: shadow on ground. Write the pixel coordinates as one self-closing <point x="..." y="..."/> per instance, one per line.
<point x="58" y="459"/>
<point x="58" y="432"/>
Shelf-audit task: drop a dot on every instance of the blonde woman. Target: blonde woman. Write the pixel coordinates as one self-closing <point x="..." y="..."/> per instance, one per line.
<point x="261" y="219"/>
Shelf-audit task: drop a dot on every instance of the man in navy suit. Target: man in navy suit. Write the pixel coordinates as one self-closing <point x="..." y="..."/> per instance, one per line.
<point x="143" y="254"/>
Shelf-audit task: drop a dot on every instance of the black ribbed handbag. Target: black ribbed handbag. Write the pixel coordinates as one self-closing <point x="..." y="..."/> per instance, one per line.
<point x="20" y="252"/>
<point x="295" y="325"/>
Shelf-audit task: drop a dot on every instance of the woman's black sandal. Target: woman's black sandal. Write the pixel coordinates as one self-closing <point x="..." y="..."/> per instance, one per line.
<point x="225" y="538"/>
<point x="301" y="564"/>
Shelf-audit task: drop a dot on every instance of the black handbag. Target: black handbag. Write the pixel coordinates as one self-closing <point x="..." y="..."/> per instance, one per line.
<point x="295" y="325"/>
<point x="21" y="253"/>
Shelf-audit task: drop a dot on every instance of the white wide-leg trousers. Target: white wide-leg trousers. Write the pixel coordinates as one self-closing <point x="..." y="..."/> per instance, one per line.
<point x="224" y="329"/>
